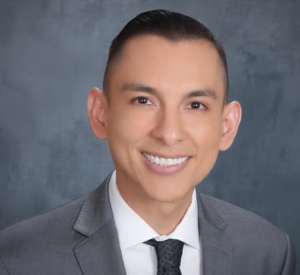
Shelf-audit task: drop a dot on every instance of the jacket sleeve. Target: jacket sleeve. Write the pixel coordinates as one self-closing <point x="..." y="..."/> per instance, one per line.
<point x="289" y="265"/>
<point x="3" y="270"/>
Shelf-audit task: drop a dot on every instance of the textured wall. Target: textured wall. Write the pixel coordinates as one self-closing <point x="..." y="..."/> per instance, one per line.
<point x="53" y="52"/>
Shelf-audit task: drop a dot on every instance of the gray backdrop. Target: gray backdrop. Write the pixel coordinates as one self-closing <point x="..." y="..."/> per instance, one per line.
<point x="53" y="52"/>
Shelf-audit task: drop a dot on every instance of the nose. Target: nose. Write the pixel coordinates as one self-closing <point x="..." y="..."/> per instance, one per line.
<point x="169" y="127"/>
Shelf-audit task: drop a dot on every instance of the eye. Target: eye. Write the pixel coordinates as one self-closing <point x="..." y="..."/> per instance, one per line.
<point x="196" y="105"/>
<point x="142" y="100"/>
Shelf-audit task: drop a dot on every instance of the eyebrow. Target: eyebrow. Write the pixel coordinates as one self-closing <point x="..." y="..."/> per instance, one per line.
<point x="138" y="87"/>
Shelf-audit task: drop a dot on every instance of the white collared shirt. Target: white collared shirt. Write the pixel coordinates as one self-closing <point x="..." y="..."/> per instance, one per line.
<point x="140" y="258"/>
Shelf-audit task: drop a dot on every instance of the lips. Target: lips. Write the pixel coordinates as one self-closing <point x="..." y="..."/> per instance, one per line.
<point x="165" y="165"/>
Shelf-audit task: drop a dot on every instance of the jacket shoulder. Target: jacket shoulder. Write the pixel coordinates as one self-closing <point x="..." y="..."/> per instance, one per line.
<point x="239" y="220"/>
<point x="251" y="237"/>
<point x="42" y="227"/>
<point x="45" y="239"/>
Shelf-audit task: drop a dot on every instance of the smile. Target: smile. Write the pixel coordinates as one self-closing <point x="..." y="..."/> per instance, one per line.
<point x="165" y="162"/>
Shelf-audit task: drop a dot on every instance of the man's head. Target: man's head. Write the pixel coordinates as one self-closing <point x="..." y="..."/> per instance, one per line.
<point x="166" y="119"/>
<point x="172" y="26"/>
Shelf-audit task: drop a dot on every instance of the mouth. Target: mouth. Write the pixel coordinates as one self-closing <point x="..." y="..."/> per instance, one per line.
<point x="165" y="164"/>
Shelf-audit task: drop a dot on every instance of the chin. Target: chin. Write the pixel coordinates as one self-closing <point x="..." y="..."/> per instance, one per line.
<point x="167" y="195"/>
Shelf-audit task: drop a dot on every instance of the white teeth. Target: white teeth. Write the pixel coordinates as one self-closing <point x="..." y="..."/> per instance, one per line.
<point x="163" y="161"/>
<point x="152" y="159"/>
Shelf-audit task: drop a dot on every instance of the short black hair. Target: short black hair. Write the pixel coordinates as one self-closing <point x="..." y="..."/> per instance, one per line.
<point x="167" y="24"/>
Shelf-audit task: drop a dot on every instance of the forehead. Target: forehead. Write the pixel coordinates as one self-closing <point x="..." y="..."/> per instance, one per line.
<point x="170" y="65"/>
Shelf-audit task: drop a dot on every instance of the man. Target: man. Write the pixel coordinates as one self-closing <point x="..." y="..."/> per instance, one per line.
<point x="165" y="114"/>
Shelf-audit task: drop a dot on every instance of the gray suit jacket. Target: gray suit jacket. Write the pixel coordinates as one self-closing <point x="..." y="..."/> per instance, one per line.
<point x="80" y="237"/>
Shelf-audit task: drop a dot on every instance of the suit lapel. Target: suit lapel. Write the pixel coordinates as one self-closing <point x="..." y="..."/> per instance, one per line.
<point x="100" y="253"/>
<point x="216" y="250"/>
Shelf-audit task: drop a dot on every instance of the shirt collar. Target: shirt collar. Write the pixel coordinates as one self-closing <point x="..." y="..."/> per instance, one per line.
<point x="133" y="230"/>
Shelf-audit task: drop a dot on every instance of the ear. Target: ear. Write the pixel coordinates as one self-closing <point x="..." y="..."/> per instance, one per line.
<point x="232" y="115"/>
<point x="97" y="109"/>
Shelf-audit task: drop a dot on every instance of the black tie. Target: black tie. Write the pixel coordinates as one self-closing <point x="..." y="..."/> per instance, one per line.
<point x="168" y="254"/>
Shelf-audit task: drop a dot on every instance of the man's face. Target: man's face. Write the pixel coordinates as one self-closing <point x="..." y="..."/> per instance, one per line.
<point x="165" y="102"/>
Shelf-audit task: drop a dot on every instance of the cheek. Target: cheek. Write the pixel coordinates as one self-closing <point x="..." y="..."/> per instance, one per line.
<point x="206" y="138"/>
<point x="206" y="133"/>
<point x="126" y="128"/>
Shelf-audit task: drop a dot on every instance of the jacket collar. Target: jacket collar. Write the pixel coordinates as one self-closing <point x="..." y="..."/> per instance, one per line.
<point x="100" y="253"/>
<point x="96" y="210"/>
<point x="217" y="251"/>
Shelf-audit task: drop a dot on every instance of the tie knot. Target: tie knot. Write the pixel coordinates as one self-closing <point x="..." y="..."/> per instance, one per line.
<point x="168" y="254"/>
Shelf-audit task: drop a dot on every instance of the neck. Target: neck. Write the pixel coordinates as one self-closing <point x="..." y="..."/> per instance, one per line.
<point x="163" y="217"/>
